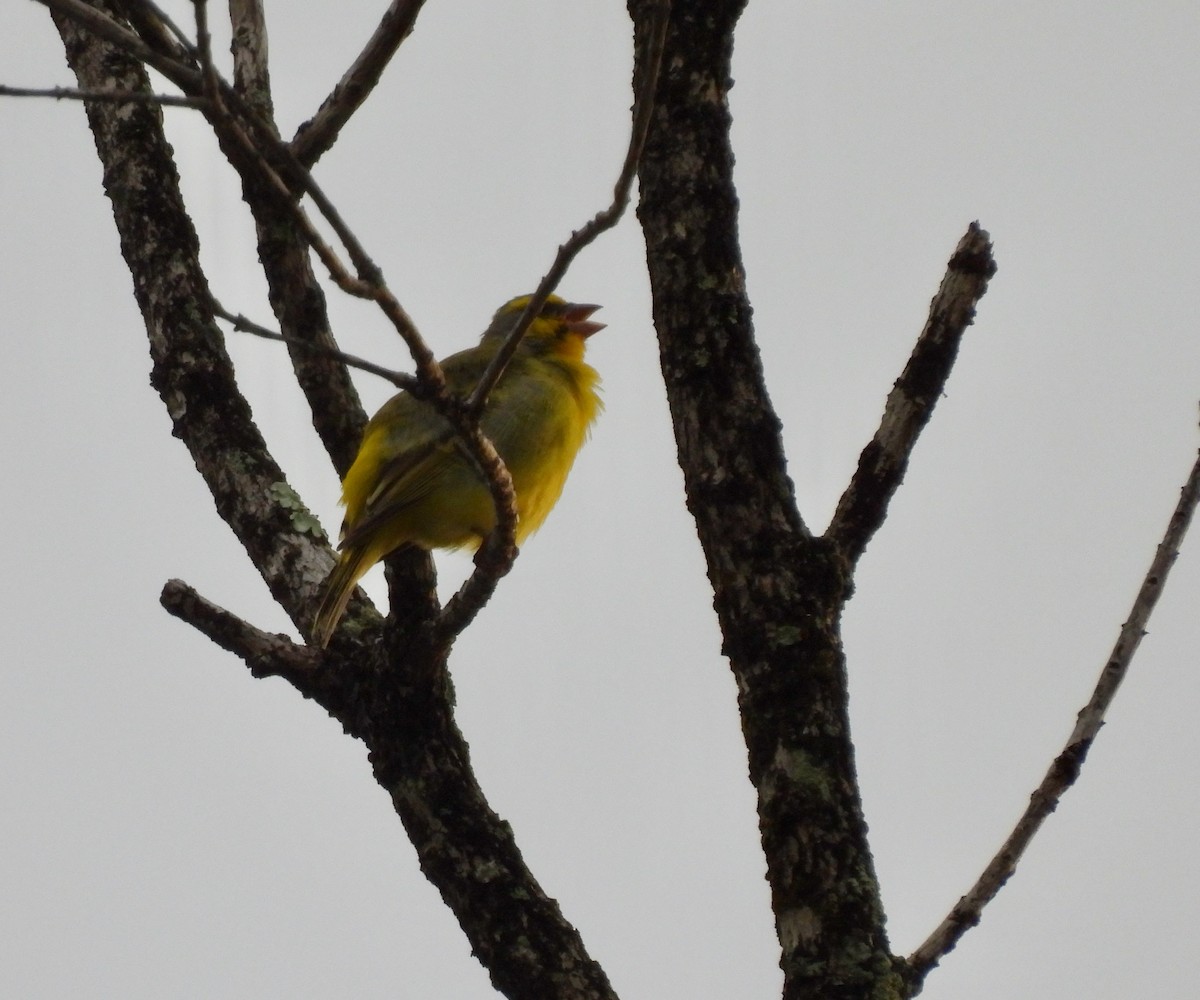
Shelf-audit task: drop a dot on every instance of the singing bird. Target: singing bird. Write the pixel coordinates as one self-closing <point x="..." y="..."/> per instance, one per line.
<point x="412" y="482"/>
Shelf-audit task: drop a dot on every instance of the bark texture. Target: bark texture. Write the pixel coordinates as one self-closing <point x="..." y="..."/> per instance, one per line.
<point x="778" y="590"/>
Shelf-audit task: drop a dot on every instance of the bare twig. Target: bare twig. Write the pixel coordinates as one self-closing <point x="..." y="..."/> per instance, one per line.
<point x="499" y="551"/>
<point x="319" y="133"/>
<point x="212" y="79"/>
<point x="1065" y="768"/>
<point x="602" y="221"/>
<point x="401" y="380"/>
<point x="369" y="284"/>
<point x="108" y="96"/>
<point x="267" y="654"/>
<point x="883" y="462"/>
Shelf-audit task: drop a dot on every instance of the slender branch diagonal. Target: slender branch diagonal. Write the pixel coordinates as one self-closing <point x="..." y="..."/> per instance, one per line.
<point x="401" y="380"/>
<point x="603" y="220"/>
<point x="1066" y="766"/>
<point x="496" y="557"/>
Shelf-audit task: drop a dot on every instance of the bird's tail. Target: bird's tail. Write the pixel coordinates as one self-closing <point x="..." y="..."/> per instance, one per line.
<point x="353" y="563"/>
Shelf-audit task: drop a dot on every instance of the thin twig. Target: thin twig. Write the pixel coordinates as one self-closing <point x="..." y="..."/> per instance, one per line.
<point x="231" y="111"/>
<point x="107" y="96"/>
<point x="1065" y="769"/>
<point x="401" y="380"/>
<point x="602" y="221"/>
<point x="212" y="79"/>
<point x="319" y="133"/>
<point x="369" y="284"/>
<point x="496" y="557"/>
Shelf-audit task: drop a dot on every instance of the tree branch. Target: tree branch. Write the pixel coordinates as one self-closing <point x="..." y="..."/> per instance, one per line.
<point x="401" y="380"/>
<point x="267" y="654"/>
<point x="394" y="694"/>
<point x="191" y="369"/>
<point x="882" y="464"/>
<point x="98" y="22"/>
<point x="777" y="590"/>
<point x="419" y="756"/>
<point x="1064" y="771"/>
<point x="646" y="74"/>
<point x="107" y="96"/>
<point x="317" y="135"/>
<point x="156" y="29"/>
<point x="251" y="75"/>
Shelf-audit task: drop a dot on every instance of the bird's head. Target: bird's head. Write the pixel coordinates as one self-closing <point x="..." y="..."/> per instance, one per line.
<point x="561" y="326"/>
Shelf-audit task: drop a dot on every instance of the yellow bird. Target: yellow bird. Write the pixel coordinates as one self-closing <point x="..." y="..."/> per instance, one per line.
<point x="413" y="484"/>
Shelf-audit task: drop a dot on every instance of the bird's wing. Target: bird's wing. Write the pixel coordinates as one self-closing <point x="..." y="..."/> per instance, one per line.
<point x="404" y="480"/>
<point x="427" y="451"/>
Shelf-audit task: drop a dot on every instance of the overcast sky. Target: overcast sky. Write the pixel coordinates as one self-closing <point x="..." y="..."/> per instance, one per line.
<point x="174" y="828"/>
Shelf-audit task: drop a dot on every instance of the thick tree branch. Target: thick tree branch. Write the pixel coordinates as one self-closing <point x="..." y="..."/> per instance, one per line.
<point x="881" y="466"/>
<point x="285" y="236"/>
<point x="251" y="76"/>
<point x="777" y="590"/>
<point x="191" y="369"/>
<point x="317" y="135"/>
<point x="1065" y="769"/>
<point x="419" y="756"/>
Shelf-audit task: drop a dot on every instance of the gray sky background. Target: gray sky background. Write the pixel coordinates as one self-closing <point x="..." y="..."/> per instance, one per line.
<point x="172" y="827"/>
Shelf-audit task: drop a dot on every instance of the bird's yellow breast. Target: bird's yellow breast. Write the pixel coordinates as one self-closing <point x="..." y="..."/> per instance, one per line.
<point x="553" y="423"/>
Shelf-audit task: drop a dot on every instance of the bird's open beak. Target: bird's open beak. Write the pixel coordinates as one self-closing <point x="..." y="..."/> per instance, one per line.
<point x="576" y="314"/>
